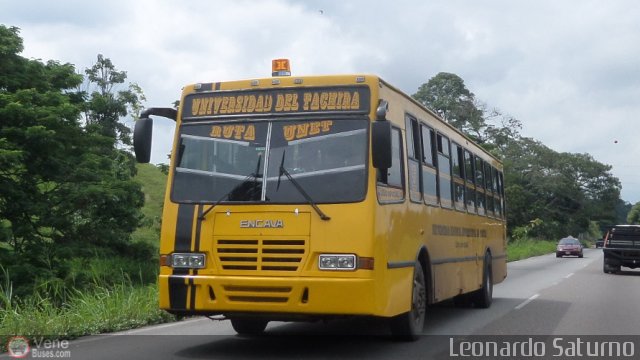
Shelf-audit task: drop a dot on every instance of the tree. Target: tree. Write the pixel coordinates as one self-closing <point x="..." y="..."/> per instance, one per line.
<point x="634" y="215"/>
<point x="447" y="95"/>
<point x="500" y="132"/>
<point x="567" y="191"/>
<point x="106" y="105"/>
<point x="63" y="189"/>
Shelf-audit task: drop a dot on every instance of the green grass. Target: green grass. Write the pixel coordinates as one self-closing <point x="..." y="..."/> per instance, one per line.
<point x="153" y="183"/>
<point x="522" y="249"/>
<point x="99" y="310"/>
<point x="111" y="271"/>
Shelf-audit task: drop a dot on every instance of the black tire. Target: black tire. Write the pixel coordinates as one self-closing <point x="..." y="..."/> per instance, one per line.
<point x="610" y="269"/>
<point x="409" y="326"/>
<point x="558" y="255"/>
<point x="483" y="297"/>
<point x="248" y="326"/>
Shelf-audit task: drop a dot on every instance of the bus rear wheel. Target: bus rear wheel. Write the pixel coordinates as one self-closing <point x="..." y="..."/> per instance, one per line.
<point x="248" y="326"/>
<point x="483" y="297"/>
<point x="408" y="326"/>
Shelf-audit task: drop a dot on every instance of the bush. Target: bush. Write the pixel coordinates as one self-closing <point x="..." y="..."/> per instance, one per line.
<point x="525" y="248"/>
<point x="98" y="310"/>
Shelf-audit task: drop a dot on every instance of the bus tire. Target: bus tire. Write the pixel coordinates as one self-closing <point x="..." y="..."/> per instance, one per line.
<point x="408" y="326"/>
<point x="483" y="297"/>
<point x="248" y="326"/>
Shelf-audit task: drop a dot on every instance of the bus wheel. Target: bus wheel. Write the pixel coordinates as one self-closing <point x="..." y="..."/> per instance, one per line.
<point x="408" y="326"/>
<point x="248" y="326"/>
<point x="483" y="297"/>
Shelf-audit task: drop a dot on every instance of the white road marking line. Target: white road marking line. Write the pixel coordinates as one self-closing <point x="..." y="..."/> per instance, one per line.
<point x="95" y="337"/>
<point x="524" y="303"/>
<point x="569" y="275"/>
<point x="152" y="327"/>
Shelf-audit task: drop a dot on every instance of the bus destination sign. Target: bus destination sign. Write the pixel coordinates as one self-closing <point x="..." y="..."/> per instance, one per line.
<point x="350" y="99"/>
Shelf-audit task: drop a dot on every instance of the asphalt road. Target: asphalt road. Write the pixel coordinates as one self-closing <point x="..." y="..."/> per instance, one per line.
<point x="543" y="298"/>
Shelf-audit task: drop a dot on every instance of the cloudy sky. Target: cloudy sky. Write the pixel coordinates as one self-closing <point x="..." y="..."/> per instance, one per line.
<point x="568" y="70"/>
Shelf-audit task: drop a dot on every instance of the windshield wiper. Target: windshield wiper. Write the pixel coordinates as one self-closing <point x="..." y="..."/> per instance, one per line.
<point x="253" y="176"/>
<point x="297" y="185"/>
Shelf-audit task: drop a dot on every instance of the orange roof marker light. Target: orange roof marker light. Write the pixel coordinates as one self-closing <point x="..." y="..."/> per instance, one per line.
<point x="280" y="67"/>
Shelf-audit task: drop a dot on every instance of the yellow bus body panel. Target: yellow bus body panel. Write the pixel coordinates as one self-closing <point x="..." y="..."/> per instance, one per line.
<point x="392" y="234"/>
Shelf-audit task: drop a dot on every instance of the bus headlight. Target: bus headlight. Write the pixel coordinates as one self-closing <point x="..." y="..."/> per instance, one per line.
<point x="337" y="262"/>
<point x="188" y="260"/>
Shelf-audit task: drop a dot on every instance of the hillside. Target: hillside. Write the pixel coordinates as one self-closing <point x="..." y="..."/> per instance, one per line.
<point x="153" y="183"/>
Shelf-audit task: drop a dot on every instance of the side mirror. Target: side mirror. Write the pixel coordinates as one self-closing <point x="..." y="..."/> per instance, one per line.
<point x="381" y="144"/>
<point x="142" y="139"/>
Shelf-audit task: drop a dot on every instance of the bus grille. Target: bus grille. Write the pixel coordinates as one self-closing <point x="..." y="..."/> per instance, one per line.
<point x="258" y="294"/>
<point x="266" y="255"/>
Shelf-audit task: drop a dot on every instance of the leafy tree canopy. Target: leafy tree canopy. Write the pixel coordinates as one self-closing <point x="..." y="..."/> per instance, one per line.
<point x="65" y="190"/>
<point x="105" y="106"/>
<point x="447" y="95"/>
<point x="634" y="215"/>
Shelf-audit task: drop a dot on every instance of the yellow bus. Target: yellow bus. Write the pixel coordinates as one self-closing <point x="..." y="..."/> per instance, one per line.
<point x="299" y="198"/>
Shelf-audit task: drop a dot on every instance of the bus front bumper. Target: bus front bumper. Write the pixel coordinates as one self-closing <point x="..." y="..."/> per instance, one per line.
<point x="211" y="295"/>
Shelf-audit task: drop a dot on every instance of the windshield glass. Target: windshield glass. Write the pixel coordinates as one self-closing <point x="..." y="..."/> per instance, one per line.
<point x="569" y="241"/>
<point x="227" y="161"/>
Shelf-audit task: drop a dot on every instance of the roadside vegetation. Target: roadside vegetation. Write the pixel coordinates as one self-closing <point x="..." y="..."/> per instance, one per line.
<point x="79" y="220"/>
<point x="97" y="309"/>
<point x="522" y="244"/>
<point x="107" y="294"/>
<point x="526" y="248"/>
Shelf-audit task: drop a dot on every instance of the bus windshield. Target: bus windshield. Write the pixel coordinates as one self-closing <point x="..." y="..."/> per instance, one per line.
<point x="241" y="161"/>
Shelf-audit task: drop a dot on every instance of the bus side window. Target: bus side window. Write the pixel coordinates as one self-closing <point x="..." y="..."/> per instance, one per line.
<point x="488" y="177"/>
<point x="497" y="193"/>
<point x="393" y="178"/>
<point x="444" y="171"/>
<point x="481" y="198"/>
<point x="429" y="171"/>
<point x="458" y="168"/>
<point x="469" y="170"/>
<point x="413" y="159"/>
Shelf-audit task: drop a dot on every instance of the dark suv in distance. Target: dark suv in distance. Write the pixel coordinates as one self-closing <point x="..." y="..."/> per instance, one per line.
<point x="599" y="243"/>
<point x="569" y="246"/>
<point x="621" y="248"/>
